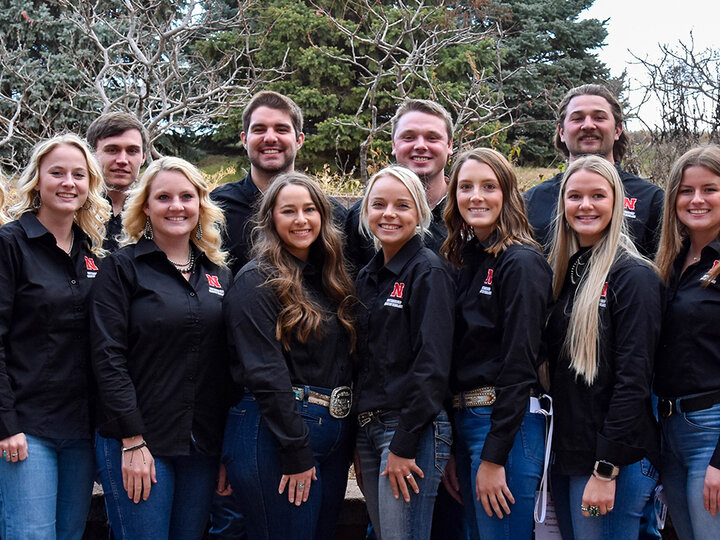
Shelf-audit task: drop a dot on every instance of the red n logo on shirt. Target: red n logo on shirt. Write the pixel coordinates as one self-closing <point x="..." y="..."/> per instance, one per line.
<point x="397" y="291"/>
<point x="213" y="281"/>
<point x="630" y="203"/>
<point x="90" y="264"/>
<point x="604" y="291"/>
<point x="489" y="278"/>
<point x="715" y="265"/>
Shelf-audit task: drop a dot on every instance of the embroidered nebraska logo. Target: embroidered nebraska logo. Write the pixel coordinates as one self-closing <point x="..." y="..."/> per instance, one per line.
<point x="604" y="291"/>
<point x="213" y="281"/>
<point x="630" y="203"/>
<point x="488" y="279"/>
<point x="397" y="291"/>
<point x="90" y="264"/>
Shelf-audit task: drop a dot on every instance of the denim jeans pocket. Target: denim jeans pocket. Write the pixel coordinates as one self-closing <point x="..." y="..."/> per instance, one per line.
<point x="442" y="431"/>
<point x="388" y="419"/>
<point x="233" y="432"/>
<point x="648" y="469"/>
<point x="705" y="420"/>
<point x="532" y="431"/>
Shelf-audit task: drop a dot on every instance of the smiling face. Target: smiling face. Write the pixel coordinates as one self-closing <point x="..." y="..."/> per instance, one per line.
<point x="392" y="214"/>
<point x="589" y="127"/>
<point x="421" y="144"/>
<point x="698" y="202"/>
<point x="271" y="141"/>
<point x="297" y="220"/>
<point x="479" y="197"/>
<point x="63" y="182"/>
<point x="173" y="206"/>
<point x="121" y="157"/>
<point x="588" y="200"/>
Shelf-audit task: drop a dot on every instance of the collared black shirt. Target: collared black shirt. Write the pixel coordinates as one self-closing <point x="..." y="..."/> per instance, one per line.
<point x="688" y="358"/>
<point x="260" y="362"/>
<point x="502" y="305"/>
<point x="239" y="201"/>
<point x="643" y="210"/>
<point x="360" y="248"/>
<point x="611" y="420"/>
<point x="159" y="350"/>
<point x="113" y="230"/>
<point x="405" y="330"/>
<point x="45" y="379"/>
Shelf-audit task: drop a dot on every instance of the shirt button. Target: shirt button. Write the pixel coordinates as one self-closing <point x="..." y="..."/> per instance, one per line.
<point x="192" y="294"/>
<point x="73" y="282"/>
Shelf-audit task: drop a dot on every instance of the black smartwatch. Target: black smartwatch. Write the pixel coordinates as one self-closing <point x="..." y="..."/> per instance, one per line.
<point x="606" y="470"/>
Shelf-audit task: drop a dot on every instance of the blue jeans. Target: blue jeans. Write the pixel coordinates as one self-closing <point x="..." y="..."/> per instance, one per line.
<point x="179" y="503"/>
<point x="523" y="471"/>
<point x="47" y="496"/>
<point x="688" y="443"/>
<point x="226" y="520"/>
<point x="394" y="518"/>
<point x="251" y="455"/>
<point x="633" y="488"/>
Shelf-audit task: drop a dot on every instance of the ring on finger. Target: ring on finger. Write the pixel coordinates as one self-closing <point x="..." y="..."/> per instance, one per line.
<point x="594" y="511"/>
<point x="609" y="508"/>
<point x="408" y="476"/>
<point x="301" y="485"/>
<point x="13" y="455"/>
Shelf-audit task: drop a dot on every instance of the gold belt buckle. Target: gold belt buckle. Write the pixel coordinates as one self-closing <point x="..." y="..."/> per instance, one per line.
<point x="340" y="402"/>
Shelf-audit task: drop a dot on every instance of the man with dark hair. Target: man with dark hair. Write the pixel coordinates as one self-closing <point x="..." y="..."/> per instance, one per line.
<point x="120" y="142"/>
<point x="422" y="135"/>
<point x="590" y="121"/>
<point x="272" y="135"/>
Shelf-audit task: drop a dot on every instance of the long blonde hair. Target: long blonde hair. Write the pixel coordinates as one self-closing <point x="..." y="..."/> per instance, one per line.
<point x="3" y="202"/>
<point x="674" y="233"/>
<point x="300" y="317"/>
<point x="211" y="218"/>
<point x="91" y="216"/>
<point x="512" y="225"/>
<point x="581" y="342"/>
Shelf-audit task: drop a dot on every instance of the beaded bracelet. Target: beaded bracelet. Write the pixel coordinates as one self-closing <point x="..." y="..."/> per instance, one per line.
<point x="136" y="447"/>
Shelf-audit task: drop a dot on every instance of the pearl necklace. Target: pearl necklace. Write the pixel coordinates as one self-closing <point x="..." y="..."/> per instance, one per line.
<point x="186" y="267"/>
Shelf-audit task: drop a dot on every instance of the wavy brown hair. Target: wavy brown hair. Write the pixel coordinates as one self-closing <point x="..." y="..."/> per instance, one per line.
<point x="512" y="226"/>
<point x="300" y="317"/>
<point x="674" y="233"/>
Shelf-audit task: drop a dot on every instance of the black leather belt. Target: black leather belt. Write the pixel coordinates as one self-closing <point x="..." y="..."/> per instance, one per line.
<point x="667" y="406"/>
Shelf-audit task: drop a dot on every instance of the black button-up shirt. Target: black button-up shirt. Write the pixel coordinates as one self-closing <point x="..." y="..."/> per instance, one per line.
<point x="159" y="350"/>
<point x="113" y="230"/>
<point x="361" y="248"/>
<point x="643" y="210"/>
<point x="44" y="367"/>
<point x="260" y="362"/>
<point x="688" y="359"/>
<point x="503" y="303"/>
<point x="405" y="332"/>
<point x="611" y="420"/>
<point x="239" y="201"/>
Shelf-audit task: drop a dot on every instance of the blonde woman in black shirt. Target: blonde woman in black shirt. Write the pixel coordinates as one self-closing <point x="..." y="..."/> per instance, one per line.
<point x="290" y="321"/>
<point x="49" y="256"/>
<point x="687" y="368"/>
<point x="601" y="338"/>
<point x="160" y="358"/>
<point x="503" y="299"/>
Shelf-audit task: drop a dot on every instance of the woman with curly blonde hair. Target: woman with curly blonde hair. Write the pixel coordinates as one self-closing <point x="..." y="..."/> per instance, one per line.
<point x="601" y="339"/>
<point x="291" y="326"/>
<point x="49" y="256"/>
<point x="160" y="358"/>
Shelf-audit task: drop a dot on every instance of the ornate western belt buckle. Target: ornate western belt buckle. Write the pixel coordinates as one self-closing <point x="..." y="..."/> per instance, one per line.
<point x="340" y="402"/>
<point x="483" y="397"/>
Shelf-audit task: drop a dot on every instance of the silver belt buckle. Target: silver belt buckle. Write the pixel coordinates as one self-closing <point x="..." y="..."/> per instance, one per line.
<point x="340" y="402"/>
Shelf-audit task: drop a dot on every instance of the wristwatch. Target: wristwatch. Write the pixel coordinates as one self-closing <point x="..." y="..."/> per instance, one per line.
<point x="606" y="470"/>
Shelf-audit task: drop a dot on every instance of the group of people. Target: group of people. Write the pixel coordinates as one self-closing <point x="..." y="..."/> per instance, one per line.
<point x="227" y="354"/>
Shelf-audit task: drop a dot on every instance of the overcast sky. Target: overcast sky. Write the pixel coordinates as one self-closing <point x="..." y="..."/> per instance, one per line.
<point x="638" y="26"/>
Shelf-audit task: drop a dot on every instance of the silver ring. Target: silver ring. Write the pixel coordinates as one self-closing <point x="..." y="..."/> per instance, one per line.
<point x="609" y="508"/>
<point x="584" y="508"/>
<point x="408" y="476"/>
<point x="13" y="455"/>
<point x="301" y="485"/>
<point x="594" y="511"/>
